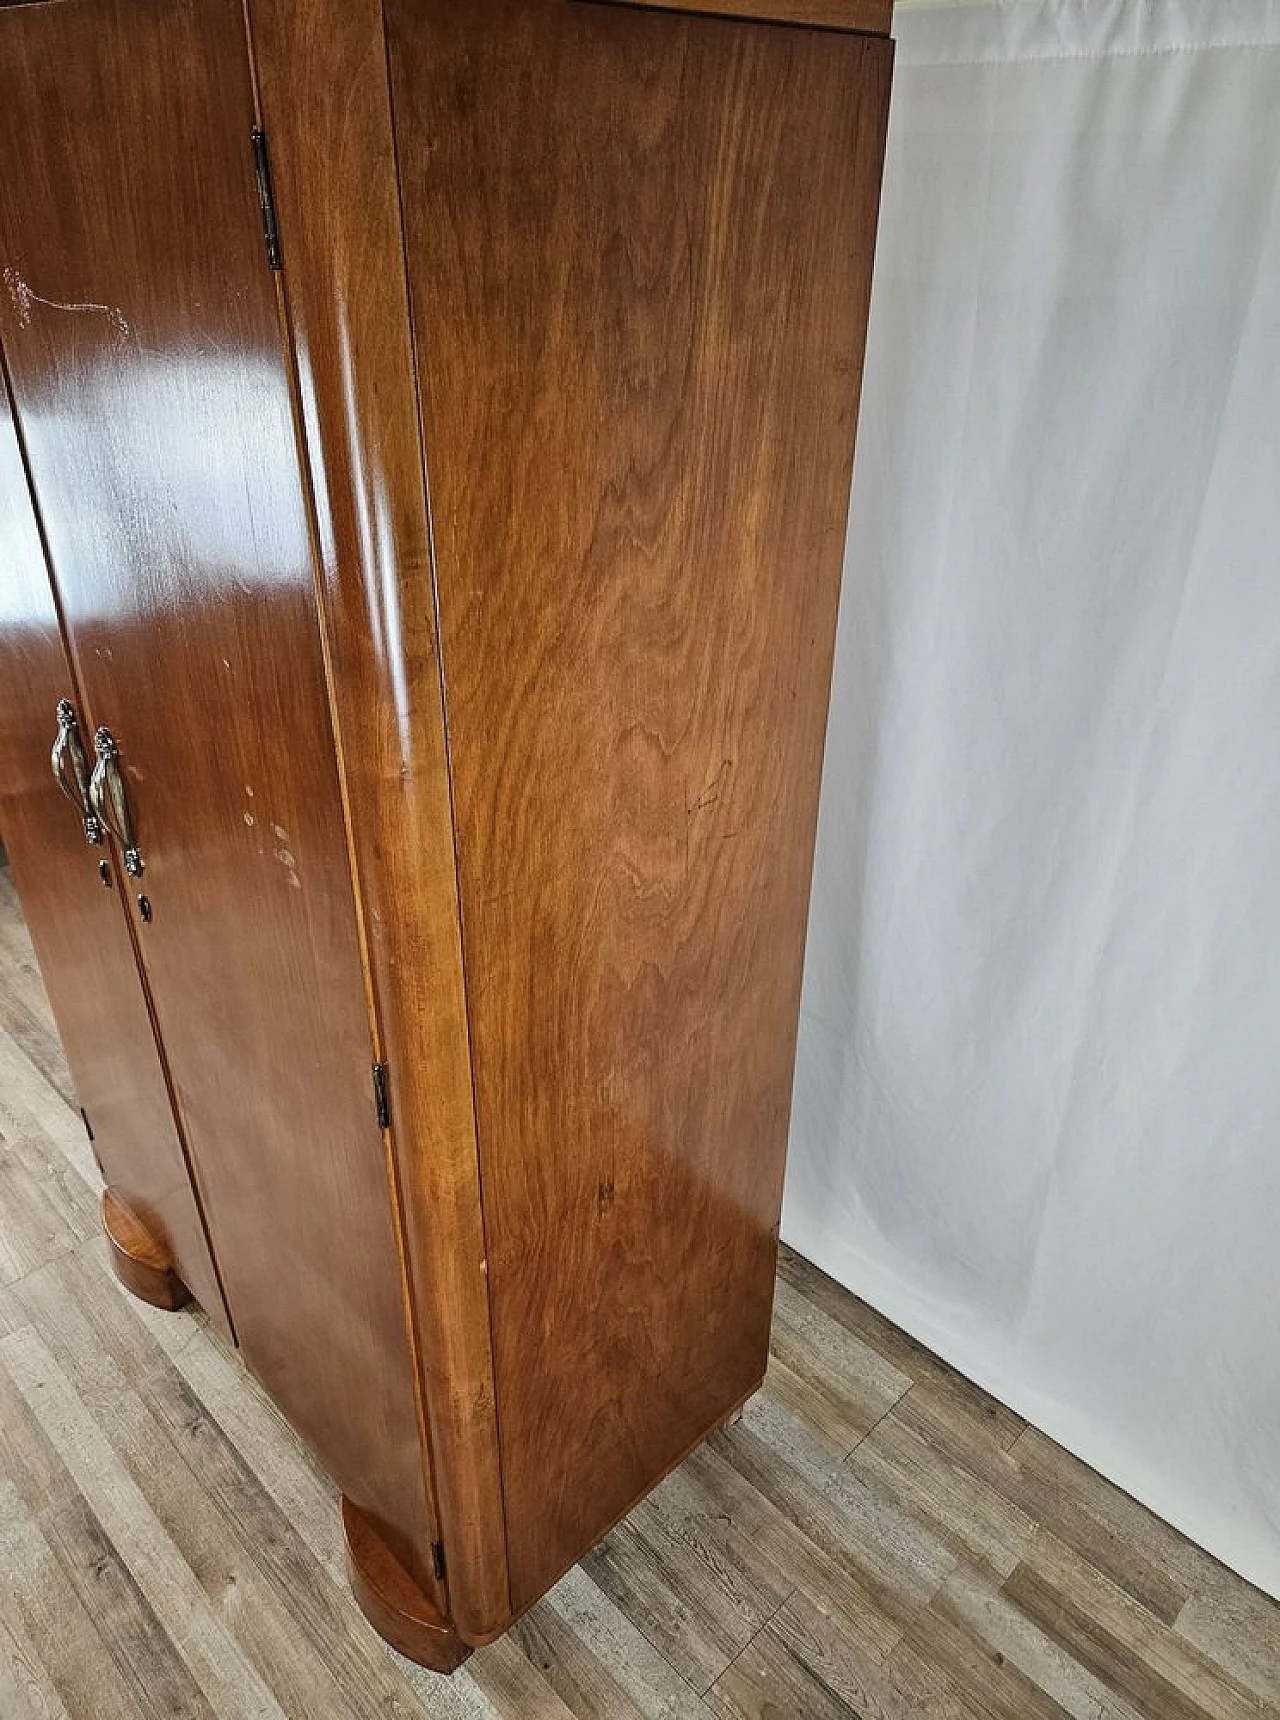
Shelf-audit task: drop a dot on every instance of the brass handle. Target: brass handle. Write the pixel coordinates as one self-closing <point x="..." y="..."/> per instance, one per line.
<point x="71" y="769"/>
<point x="108" y="799"/>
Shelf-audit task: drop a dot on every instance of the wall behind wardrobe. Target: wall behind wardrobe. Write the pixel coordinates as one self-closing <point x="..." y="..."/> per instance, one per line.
<point x="1037" y="1113"/>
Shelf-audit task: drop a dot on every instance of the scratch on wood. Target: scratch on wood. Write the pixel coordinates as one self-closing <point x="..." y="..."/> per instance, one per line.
<point x="711" y="793"/>
<point x="23" y="297"/>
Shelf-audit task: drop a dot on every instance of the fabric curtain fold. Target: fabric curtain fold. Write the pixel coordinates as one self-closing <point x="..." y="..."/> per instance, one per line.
<point x="1037" y="1109"/>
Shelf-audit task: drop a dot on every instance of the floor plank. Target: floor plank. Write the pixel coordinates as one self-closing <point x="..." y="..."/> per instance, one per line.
<point x="1237" y="1629"/>
<point x="1042" y="1494"/>
<point x="974" y="1519"/>
<point x="969" y="1603"/>
<point x="139" y="1644"/>
<point x="1118" y="1640"/>
<point x="58" y="1641"/>
<point x="769" y="1679"/>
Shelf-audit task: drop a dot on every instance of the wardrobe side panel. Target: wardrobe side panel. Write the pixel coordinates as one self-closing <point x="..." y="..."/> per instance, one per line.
<point x="76" y="922"/>
<point x="323" y="87"/>
<point x="640" y="256"/>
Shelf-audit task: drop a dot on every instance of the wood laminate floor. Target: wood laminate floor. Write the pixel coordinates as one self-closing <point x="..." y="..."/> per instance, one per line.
<point x="875" y="1538"/>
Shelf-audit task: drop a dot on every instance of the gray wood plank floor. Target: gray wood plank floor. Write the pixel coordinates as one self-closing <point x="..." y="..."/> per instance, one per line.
<point x="874" y="1538"/>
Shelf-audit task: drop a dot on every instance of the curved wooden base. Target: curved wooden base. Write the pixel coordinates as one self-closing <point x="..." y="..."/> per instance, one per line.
<point x="140" y="1263"/>
<point x="392" y="1602"/>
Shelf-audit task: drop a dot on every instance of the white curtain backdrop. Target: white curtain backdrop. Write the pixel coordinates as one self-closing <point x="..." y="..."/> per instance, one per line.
<point x="1037" y="1113"/>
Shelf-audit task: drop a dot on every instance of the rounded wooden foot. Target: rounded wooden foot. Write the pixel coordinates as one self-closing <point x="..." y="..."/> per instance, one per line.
<point x="140" y="1263"/>
<point x="392" y="1602"/>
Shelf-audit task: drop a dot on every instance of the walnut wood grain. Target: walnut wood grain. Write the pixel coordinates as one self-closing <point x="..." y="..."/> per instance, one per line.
<point x="141" y="323"/>
<point x="639" y="251"/>
<point x="872" y="16"/>
<point x="323" y="87"/>
<point x="78" y="925"/>
<point x="393" y="1601"/>
<point x="141" y="1263"/>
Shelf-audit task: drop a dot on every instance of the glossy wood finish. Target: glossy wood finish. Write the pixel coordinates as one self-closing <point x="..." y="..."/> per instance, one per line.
<point x="640" y="250"/>
<point x="393" y="1601"/>
<point x="872" y="16"/>
<point x="142" y="328"/>
<point x="142" y="1265"/>
<point x="79" y="926"/>
<point x="323" y="87"/>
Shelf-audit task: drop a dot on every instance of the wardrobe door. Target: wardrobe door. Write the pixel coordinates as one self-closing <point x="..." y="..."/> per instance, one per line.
<point x="71" y="897"/>
<point x="141" y="318"/>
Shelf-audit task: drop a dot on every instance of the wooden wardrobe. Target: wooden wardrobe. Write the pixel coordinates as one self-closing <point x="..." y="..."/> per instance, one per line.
<point x="425" y="445"/>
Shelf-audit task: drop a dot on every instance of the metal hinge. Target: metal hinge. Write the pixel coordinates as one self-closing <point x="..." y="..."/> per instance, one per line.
<point x="437" y="1560"/>
<point x="381" y="1103"/>
<point x="266" y="198"/>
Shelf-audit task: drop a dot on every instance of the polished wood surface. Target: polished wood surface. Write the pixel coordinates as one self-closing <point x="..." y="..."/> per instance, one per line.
<point x="79" y="926"/>
<point x="875" y="1540"/>
<point x="546" y="858"/>
<point x="393" y="1601"/>
<point x="640" y="251"/>
<point x="323" y="86"/>
<point x="141" y="325"/>
<point x="142" y="1265"/>
<point x="872" y="16"/>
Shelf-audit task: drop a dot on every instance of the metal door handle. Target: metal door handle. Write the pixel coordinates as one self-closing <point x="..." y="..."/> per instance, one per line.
<point x="108" y="799"/>
<point x="71" y="769"/>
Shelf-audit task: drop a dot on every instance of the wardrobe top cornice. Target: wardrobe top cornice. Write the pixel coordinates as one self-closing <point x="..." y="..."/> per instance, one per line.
<point x="872" y="17"/>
